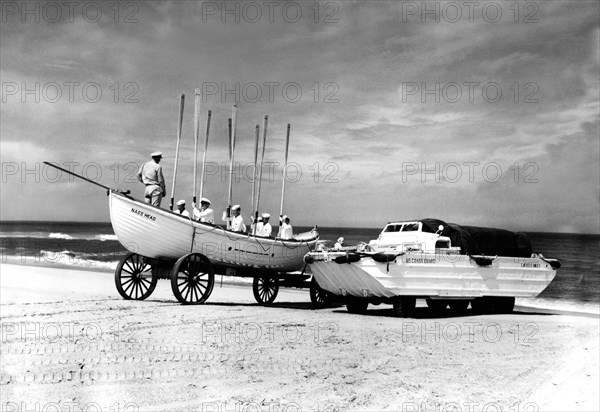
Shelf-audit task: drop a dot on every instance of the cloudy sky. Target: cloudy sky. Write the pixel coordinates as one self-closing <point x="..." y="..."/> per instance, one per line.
<point x="482" y="113"/>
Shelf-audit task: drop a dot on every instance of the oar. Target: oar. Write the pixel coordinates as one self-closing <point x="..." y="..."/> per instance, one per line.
<point x="262" y="158"/>
<point x="287" y="145"/>
<point x="205" y="150"/>
<point x="179" y="124"/>
<point x="196" y="133"/>
<point x="231" y="153"/>
<point x="85" y="178"/>
<point x="254" y="179"/>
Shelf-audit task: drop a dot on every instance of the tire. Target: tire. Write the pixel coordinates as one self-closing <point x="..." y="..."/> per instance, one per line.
<point x="483" y="305"/>
<point x="357" y="306"/>
<point x="404" y="306"/>
<point x="192" y="279"/>
<point x="458" y="306"/>
<point x="504" y="304"/>
<point x="134" y="278"/>
<point x="436" y="305"/>
<point x="319" y="297"/>
<point x="265" y="289"/>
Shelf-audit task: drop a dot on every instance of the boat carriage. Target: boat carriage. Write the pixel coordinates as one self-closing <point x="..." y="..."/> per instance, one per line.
<point x="167" y="245"/>
<point x="447" y="264"/>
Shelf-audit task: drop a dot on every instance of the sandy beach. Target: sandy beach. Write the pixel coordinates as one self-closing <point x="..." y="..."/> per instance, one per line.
<point x="69" y="342"/>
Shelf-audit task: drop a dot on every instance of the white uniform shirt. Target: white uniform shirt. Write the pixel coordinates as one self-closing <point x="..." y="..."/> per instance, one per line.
<point x="150" y="173"/>
<point x="256" y="228"/>
<point x="184" y="213"/>
<point x="237" y="224"/>
<point x="204" y="216"/>
<point x="266" y="231"/>
<point x="286" y="231"/>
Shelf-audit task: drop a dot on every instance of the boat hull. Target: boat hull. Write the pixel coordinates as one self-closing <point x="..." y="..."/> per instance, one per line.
<point x="431" y="275"/>
<point x="157" y="233"/>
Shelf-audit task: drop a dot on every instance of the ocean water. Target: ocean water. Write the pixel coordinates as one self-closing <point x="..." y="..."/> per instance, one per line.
<point x="94" y="245"/>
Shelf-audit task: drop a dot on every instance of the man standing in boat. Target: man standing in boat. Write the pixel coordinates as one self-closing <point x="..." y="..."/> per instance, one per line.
<point x="286" y="231"/>
<point x="205" y="214"/>
<point x="237" y="221"/>
<point x="151" y="175"/>
<point x="267" y="230"/>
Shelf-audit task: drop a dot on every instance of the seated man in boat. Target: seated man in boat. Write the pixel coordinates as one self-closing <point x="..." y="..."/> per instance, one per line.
<point x="267" y="230"/>
<point x="256" y="227"/>
<point x="205" y="214"/>
<point x="237" y="221"/>
<point x="286" y="231"/>
<point x="151" y="175"/>
<point x="181" y="208"/>
<point x="339" y="244"/>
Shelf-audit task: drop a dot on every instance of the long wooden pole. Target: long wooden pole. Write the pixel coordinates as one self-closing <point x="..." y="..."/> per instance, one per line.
<point x="196" y="133"/>
<point x="262" y="158"/>
<point x="254" y="178"/>
<point x="204" y="155"/>
<point x="179" y="125"/>
<point x="231" y="152"/>
<point x="287" y="146"/>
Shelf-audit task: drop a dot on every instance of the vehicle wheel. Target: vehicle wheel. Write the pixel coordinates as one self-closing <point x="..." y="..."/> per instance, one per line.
<point x="134" y="278"/>
<point x="192" y="279"/>
<point x="459" y="305"/>
<point x="482" y="305"/>
<point x="357" y="306"/>
<point x="319" y="297"/>
<point x="504" y="304"/>
<point x="265" y="290"/>
<point x="404" y="306"/>
<point x="436" y="305"/>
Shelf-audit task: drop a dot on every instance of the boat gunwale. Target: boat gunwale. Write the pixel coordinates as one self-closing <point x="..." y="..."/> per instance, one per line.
<point x="213" y="227"/>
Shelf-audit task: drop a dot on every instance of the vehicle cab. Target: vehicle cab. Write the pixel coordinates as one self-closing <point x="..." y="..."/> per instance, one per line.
<point x="409" y="237"/>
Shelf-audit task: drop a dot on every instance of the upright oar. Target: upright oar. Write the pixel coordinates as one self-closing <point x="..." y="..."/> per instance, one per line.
<point x="254" y="179"/>
<point x="287" y="145"/>
<point x="231" y="155"/>
<point x="204" y="155"/>
<point x="196" y="133"/>
<point x="181" y="102"/>
<point x="262" y="158"/>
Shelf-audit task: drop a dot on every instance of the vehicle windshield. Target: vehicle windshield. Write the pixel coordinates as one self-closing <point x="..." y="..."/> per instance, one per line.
<point x="402" y="227"/>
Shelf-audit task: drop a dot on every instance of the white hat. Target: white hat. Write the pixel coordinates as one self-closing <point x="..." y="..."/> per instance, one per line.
<point x="340" y="240"/>
<point x="259" y="219"/>
<point x="266" y="215"/>
<point x="156" y="154"/>
<point x="235" y="207"/>
<point x="285" y="217"/>
<point x="204" y="200"/>
<point x="180" y="202"/>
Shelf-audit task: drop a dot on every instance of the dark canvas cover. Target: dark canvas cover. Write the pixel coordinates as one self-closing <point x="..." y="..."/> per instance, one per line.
<point x="474" y="240"/>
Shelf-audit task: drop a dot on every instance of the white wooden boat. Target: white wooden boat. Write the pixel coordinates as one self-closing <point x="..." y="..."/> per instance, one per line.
<point x="164" y="244"/>
<point x="401" y="266"/>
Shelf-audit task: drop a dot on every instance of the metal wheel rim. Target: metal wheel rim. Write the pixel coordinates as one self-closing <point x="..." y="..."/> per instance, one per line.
<point x="193" y="282"/>
<point x="266" y="289"/>
<point x="135" y="277"/>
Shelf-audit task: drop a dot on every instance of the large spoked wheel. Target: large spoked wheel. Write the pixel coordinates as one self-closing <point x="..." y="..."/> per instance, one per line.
<point x="319" y="297"/>
<point x="265" y="289"/>
<point x="192" y="279"/>
<point x="134" y="278"/>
